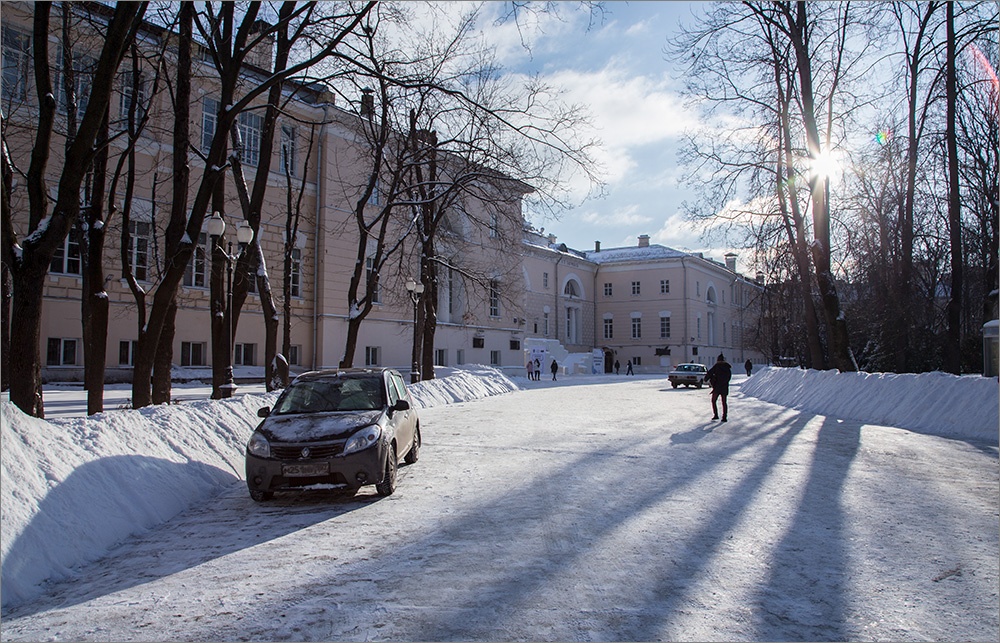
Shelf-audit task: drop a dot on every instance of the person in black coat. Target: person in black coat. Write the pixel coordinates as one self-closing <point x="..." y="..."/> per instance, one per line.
<point x="749" y="366"/>
<point x="718" y="376"/>
<point x="555" y="369"/>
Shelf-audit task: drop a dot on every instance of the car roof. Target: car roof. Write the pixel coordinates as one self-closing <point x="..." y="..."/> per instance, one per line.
<point x="352" y="373"/>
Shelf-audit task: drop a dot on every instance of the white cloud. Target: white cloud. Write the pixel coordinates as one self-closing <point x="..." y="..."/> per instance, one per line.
<point x="626" y="216"/>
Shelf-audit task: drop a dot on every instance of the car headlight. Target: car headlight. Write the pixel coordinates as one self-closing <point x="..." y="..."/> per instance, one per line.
<point x="259" y="446"/>
<point x="363" y="439"/>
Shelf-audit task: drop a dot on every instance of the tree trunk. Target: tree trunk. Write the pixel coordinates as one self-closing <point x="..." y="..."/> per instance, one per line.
<point x="163" y="360"/>
<point x="6" y="216"/>
<point x="953" y="338"/>
<point x="94" y="304"/>
<point x="428" y="270"/>
<point x="839" y="347"/>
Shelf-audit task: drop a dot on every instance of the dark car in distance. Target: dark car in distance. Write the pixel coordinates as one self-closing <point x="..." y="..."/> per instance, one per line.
<point x="334" y="429"/>
<point x="688" y="374"/>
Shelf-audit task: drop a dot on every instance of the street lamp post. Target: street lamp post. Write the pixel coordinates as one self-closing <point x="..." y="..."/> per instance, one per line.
<point x="244" y="234"/>
<point x="415" y="289"/>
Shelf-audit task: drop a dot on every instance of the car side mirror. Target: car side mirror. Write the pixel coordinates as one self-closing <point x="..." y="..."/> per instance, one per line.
<point x="263" y="411"/>
<point x="401" y="405"/>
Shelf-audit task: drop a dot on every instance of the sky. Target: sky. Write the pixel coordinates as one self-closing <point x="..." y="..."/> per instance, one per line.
<point x="832" y="506"/>
<point x="614" y="63"/>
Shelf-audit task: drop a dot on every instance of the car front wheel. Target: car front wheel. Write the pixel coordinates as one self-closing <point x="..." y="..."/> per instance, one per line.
<point x="388" y="484"/>
<point x="261" y="496"/>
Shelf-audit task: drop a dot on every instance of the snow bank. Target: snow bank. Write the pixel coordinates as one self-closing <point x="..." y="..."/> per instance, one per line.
<point x="73" y="488"/>
<point x="936" y="403"/>
<point x="460" y="385"/>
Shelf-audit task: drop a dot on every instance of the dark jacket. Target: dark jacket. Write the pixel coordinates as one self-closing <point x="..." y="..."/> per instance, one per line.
<point x="719" y="375"/>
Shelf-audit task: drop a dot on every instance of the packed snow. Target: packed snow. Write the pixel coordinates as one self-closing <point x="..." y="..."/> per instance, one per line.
<point x="73" y="488"/>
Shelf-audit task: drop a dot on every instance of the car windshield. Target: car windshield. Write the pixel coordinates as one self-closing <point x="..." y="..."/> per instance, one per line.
<point x="341" y="394"/>
<point x="690" y="367"/>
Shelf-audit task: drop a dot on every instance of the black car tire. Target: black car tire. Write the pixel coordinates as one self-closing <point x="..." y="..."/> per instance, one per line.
<point x="698" y="385"/>
<point x="674" y="384"/>
<point x="414" y="453"/>
<point x="261" y="496"/>
<point x="388" y="484"/>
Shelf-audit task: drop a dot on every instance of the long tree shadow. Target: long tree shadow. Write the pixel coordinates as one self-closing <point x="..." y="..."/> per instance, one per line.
<point x="804" y="597"/>
<point x="48" y="542"/>
<point x="519" y="557"/>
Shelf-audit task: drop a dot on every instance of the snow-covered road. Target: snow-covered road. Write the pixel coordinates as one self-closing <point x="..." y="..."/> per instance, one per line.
<point x="606" y="511"/>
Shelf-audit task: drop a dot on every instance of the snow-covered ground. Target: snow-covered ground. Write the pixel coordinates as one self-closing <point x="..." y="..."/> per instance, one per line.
<point x="73" y="488"/>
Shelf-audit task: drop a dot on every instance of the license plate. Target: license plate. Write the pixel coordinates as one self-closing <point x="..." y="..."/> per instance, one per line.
<point x="298" y="470"/>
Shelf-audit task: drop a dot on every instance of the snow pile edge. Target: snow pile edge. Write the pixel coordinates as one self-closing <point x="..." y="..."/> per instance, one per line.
<point x="966" y="407"/>
<point x="460" y="385"/>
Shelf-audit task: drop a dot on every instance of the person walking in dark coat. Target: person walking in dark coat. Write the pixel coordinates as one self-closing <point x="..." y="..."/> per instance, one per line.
<point x="749" y="367"/>
<point x="718" y="376"/>
<point x="555" y="368"/>
<point x="618" y="368"/>
<point x="628" y="368"/>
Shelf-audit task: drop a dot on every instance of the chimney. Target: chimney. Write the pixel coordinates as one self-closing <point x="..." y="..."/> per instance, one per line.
<point x="731" y="261"/>
<point x="262" y="54"/>
<point x="597" y="246"/>
<point x="552" y="239"/>
<point x="367" y="103"/>
<point x="643" y="240"/>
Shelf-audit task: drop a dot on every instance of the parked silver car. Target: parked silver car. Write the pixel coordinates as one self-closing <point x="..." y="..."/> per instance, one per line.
<point x="688" y="374"/>
<point x="337" y="428"/>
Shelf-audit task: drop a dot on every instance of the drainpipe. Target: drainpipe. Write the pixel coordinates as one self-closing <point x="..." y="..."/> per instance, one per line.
<point x="555" y="309"/>
<point x="320" y="211"/>
<point x="687" y="321"/>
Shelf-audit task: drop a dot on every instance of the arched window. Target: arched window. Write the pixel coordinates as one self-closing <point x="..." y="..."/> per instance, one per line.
<point x="570" y="289"/>
<point x="710" y="295"/>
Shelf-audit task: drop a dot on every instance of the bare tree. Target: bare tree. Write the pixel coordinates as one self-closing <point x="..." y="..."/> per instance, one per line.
<point x="48" y="227"/>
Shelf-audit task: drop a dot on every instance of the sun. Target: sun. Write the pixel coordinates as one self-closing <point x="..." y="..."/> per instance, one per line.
<point x="826" y="165"/>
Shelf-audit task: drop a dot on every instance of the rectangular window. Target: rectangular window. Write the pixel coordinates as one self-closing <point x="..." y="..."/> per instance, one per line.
<point x="664" y="327"/>
<point x="607" y="290"/>
<point x="494" y="225"/>
<point x="83" y="73"/>
<point x="478" y="342"/>
<point x="635" y="288"/>
<point x="133" y="92"/>
<point x="16" y="63"/>
<point x="636" y="361"/>
<point x="495" y="358"/>
<point x="372" y="355"/>
<point x="193" y="353"/>
<point x="515" y="344"/>
<point x="460" y="356"/>
<point x="287" y="153"/>
<point x="370" y="274"/>
<point x="250" y="125"/>
<point x="60" y="352"/>
<point x="245" y="355"/>
<point x="374" y="198"/>
<point x="699" y="327"/>
<point x="196" y="274"/>
<point x="209" y="122"/>
<point x="697" y="289"/>
<point x="441" y="357"/>
<point x="66" y="260"/>
<point x="545" y="324"/>
<point x="294" y="355"/>
<point x="723" y="332"/>
<point x="451" y="291"/>
<point x="251" y="277"/>
<point x="545" y="280"/>
<point x="138" y="248"/>
<point x="126" y="352"/>
<point x="636" y="328"/>
<point x="609" y="329"/>
<point x="296" y="269"/>
<point x="494" y="299"/>
<point x="664" y="286"/>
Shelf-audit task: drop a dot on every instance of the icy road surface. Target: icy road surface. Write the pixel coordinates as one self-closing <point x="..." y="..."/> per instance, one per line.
<point x="612" y="511"/>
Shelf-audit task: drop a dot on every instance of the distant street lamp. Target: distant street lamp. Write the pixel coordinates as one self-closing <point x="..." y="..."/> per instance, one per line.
<point x="216" y="227"/>
<point x="415" y="289"/>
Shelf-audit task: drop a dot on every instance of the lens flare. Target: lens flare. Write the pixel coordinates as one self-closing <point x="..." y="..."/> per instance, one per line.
<point x="882" y="137"/>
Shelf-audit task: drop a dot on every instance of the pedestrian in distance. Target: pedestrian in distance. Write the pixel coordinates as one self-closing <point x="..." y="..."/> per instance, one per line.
<point x="530" y="369"/>
<point x="538" y="370"/>
<point x="749" y="367"/>
<point x="618" y="368"/>
<point x="628" y="368"/>
<point x="718" y="376"/>
<point x="555" y="368"/>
